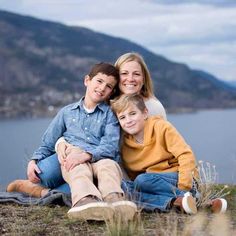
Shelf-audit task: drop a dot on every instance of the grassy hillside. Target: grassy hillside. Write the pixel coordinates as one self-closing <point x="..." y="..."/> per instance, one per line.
<point x="38" y="220"/>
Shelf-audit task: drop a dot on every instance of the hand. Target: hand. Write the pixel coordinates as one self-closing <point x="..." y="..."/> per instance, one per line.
<point x="61" y="152"/>
<point x="32" y="171"/>
<point x="75" y="159"/>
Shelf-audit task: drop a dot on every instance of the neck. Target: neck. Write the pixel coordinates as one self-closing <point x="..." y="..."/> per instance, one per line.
<point x="89" y="104"/>
<point x="139" y="137"/>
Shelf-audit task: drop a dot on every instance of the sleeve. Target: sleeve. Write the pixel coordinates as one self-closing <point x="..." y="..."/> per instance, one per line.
<point x="60" y="140"/>
<point x="54" y="131"/>
<point x="109" y="144"/>
<point x="155" y="107"/>
<point x="177" y="146"/>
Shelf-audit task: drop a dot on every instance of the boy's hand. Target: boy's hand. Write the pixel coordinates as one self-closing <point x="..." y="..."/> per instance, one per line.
<point x="61" y="152"/>
<point x="32" y="169"/>
<point x="75" y="159"/>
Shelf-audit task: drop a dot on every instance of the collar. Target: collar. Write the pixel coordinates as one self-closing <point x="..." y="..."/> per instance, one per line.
<point x="79" y="105"/>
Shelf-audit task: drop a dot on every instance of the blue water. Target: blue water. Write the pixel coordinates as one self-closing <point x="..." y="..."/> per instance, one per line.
<point x="211" y="134"/>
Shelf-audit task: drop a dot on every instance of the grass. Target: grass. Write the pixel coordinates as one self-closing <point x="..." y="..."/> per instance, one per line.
<point x="41" y="220"/>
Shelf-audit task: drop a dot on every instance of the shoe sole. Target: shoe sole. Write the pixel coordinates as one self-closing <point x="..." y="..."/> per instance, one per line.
<point x="125" y="209"/>
<point x="189" y="204"/>
<point x="223" y="206"/>
<point x="92" y="211"/>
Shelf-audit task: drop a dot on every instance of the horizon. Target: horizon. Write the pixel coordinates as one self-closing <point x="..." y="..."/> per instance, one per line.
<point x="172" y="30"/>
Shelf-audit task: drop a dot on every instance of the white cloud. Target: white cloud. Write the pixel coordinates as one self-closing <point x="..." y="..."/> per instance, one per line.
<point x="199" y="33"/>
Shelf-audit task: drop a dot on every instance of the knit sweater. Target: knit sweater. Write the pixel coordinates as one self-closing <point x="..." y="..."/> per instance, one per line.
<point x="163" y="150"/>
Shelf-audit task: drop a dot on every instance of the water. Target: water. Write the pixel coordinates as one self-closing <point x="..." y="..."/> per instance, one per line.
<point x="211" y="134"/>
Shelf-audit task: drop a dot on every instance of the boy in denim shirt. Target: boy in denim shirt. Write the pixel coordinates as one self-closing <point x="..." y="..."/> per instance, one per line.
<point x="92" y="130"/>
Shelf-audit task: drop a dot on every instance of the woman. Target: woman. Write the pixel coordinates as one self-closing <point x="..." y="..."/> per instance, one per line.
<point x="134" y="78"/>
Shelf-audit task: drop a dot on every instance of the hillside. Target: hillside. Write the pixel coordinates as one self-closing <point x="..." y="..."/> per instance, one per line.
<point x="42" y="65"/>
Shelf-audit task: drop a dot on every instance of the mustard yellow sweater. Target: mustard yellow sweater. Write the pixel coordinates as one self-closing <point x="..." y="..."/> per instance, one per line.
<point x="163" y="150"/>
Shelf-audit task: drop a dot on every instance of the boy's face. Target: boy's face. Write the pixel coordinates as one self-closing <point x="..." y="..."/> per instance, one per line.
<point x="99" y="88"/>
<point x="132" y="120"/>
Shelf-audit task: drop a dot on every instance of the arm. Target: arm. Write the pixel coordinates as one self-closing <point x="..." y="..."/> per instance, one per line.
<point x="155" y="107"/>
<point x="54" y="131"/>
<point x="109" y="143"/>
<point x="176" y="145"/>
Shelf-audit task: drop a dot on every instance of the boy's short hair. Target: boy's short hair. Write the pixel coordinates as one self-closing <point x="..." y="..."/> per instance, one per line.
<point x="104" y="68"/>
<point x="122" y="102"/>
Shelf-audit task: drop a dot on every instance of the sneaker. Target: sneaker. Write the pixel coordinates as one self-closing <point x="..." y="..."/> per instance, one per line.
<point x="91" y="208"/>
<point x="218" y="205"/>
<point x="124" y="208"/>
<point x="26" y="186"/>
<point x="186" y="204"/>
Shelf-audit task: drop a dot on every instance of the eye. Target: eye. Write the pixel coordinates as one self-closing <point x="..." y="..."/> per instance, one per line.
<point x="121" y="117"/>
<point x="99" y="81"/>
<point x="110" y="86"/>
<point x="132" y="113"/>
<point x="123" y="73"/>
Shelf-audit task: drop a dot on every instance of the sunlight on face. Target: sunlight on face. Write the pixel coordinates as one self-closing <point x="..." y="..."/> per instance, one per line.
<point x="132" y="120"/>
<point x="131" y="78"/>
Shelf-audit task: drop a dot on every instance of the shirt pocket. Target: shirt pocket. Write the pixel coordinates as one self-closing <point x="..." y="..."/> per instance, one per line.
<point x="97" y="128"/>
<point x="72" y="124"/>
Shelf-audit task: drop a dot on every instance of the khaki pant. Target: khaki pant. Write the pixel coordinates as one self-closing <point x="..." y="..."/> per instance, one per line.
<point x="81" y="179"/>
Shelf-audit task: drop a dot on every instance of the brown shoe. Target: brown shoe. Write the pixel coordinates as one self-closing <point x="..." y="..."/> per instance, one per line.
<point x="91" y="208"/>
<point x="123" y="208"/>
<point x="186" y="204"/>
<point x="25" y="186"/>
<point x="218" y="205"/>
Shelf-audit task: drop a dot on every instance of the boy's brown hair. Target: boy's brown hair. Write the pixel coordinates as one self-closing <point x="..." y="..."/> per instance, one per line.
<point x="122" y="102"/>
<point x="106" y="69"/>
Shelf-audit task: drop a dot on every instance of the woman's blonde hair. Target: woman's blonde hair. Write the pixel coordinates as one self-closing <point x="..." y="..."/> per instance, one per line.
<point x="122" y="102"/>
<point x="147" y="88"/>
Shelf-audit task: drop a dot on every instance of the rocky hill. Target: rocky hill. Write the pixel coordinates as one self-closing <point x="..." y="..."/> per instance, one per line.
<point x="42" y="65"/>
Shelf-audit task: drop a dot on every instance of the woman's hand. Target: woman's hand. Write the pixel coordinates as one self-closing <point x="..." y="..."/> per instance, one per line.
<point x="32" y="171"/>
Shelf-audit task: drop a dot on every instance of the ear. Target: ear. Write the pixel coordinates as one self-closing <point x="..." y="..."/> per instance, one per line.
<point x="86" y="80"/>
<point x="145" y="112"/>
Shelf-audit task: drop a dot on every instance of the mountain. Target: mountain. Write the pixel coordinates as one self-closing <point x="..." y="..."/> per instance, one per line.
<point x="42" y="65"/>
<point x="232" y="83"/>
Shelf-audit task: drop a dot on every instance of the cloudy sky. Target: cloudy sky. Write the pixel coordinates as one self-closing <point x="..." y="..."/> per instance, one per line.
<point x="200" y="33"/>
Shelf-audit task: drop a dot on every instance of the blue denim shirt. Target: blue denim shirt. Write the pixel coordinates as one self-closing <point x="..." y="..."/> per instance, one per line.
<point x="97" y="133"/>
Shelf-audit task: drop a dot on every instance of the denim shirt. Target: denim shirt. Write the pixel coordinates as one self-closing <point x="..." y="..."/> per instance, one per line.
<point x="97" y="133"/>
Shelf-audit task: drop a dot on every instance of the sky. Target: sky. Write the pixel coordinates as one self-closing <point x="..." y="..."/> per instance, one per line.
<point x="200" y="33"/>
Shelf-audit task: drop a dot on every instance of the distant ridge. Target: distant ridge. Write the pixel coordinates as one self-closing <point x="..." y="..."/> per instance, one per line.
<point x="42" y="65"/>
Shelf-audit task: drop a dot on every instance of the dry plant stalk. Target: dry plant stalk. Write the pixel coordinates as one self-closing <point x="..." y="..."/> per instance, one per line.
<point x="206" y="186"/>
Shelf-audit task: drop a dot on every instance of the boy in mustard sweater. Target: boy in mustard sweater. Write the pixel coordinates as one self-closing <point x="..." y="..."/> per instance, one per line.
<point x="159" y="162"/>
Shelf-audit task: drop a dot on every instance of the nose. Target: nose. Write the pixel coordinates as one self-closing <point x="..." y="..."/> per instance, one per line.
<point x="129" y="77"/>
<point x="127" y="120"/>
<point x="102" y="87"/>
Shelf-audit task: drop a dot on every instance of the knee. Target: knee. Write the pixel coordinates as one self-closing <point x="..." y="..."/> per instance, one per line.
<point x="108" y="165"/>
<point x="142" y="181"/>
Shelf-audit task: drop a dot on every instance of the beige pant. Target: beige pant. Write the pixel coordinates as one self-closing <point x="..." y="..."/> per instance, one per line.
<point x="81" y="179"/>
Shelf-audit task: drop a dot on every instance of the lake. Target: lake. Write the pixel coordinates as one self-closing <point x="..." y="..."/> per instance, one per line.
<point x="211" y="134"/>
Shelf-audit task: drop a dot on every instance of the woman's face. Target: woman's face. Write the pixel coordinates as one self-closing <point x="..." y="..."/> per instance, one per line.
<point x="131" y="78"/>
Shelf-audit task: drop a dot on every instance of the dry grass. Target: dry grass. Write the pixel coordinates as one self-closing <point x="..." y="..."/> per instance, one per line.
<point x="38" y="220"/>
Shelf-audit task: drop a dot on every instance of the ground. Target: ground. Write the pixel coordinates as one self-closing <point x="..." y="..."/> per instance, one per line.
<point x="38" y="220"/>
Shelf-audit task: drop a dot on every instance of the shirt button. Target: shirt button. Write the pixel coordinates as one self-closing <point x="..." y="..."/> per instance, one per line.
<point x="85" y="128"/>
<point x="88" y="138"/>
<point x="88" y="115"/>
<point x="73" y="120"/>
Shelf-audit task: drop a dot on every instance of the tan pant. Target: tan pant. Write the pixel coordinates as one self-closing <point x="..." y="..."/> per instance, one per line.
<point x="80" y="178"/>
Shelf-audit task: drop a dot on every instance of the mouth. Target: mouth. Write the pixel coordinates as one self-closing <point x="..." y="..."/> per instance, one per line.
<point x="100" y="94"/>
<point x="130" y="126"/>
<point x="129" y="85"/>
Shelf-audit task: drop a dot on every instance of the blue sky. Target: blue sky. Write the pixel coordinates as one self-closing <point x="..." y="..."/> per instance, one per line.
<point x="200" y="33"/>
